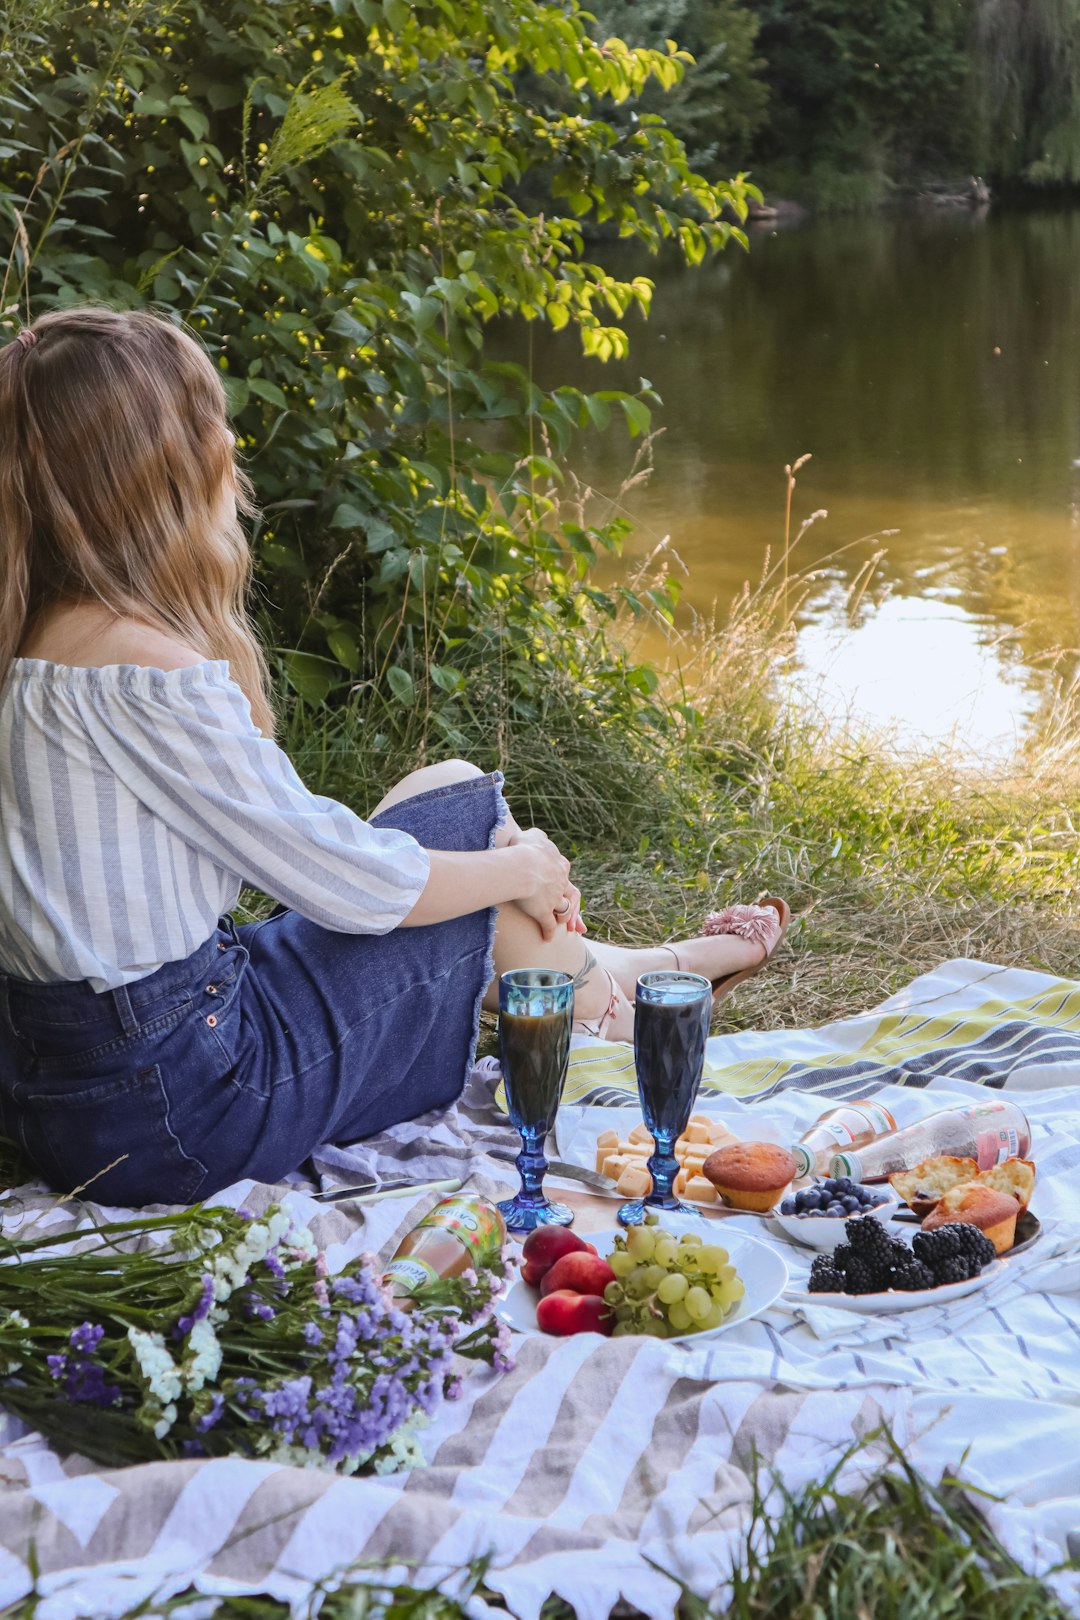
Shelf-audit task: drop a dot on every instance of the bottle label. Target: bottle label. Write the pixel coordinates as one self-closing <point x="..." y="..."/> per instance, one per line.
<point x="407" y="1274"/>
<point x="473" y="1222"/>
<point x="849" y="1123"/>
<point x="996" y="1143"/>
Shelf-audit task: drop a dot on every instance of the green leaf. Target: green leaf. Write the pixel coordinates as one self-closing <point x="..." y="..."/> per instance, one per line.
<point x="311" y="677"/>
<point x="344" y="648"/>
<point x="401" y="684"/>
<point x="638" y="415"/>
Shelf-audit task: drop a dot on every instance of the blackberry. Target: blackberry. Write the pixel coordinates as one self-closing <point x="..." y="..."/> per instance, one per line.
<point x="911" y="1275"/>
<point x="842" y="1254"/>
<point x="860" y="1277"/>
<point x="954" y="1270"/>
<point x="824" y="1276"/>
<point x="957" y="1242"/>
<point x="865" y="1236"/>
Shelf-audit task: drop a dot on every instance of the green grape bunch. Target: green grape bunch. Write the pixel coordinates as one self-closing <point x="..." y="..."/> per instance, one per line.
<point x="665" y="1286"/>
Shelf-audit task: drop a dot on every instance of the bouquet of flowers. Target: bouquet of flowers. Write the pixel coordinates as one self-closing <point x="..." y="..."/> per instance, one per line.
<point x="213" y="1331"/>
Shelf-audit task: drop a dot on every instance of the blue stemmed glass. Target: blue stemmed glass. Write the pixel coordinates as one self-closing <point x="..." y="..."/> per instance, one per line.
<point x="536" y="1010"/>
<point x="671" y="1026"/>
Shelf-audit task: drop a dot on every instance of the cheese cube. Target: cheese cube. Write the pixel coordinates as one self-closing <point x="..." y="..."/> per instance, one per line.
<point x="636" y="1150"/>
<point x="608" y="1139"/>
<point x="697" y="1133"/>
<point x="720" y="1133"/>
<point x="701" y="1190"/>
<point x="679" y="1186"/>
<point x="700" y="1119"/>
<point x="641" y="1133"/>
<point x="614" y="1165"/>
<point x="634" y="1182"/>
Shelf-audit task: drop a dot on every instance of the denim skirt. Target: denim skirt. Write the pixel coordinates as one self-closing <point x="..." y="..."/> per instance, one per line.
<point x="270" y="1039"/>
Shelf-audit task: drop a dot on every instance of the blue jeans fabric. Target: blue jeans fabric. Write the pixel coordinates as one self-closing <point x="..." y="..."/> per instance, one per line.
<point x="270" y="1039"/>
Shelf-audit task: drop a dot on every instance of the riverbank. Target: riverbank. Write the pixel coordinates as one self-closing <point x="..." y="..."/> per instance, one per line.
<point x="714" y="788"/>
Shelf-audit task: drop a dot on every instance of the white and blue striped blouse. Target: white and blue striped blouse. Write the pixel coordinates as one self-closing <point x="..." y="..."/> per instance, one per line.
<point x="134" y="803"/>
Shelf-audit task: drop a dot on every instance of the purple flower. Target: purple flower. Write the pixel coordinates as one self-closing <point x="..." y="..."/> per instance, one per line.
<point x="213" y="1416"/>
<point x="193" y="1448"/>
<point x="84" y="1379"/>
<point x="201" y="1310"/>
<point x="312" y="1332"/>
<point x="85" y="1339"/>
<point x="501" y="1359"/>
<point x="454" y="1388"/>
<point x="257" y="1309"/>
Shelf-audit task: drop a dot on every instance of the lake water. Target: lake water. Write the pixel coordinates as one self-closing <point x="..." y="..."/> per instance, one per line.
<point x="930" y="365"/>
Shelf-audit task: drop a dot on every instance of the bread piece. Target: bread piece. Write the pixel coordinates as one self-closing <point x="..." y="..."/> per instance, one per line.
<point x="976" y="1205"/>
<point x="1016" y="1177"/>
<point x="701" y="1190"/>
<point x="922" y="1187"/>
<point x="750" y="1175"/>
<point x="634" y="1182"/>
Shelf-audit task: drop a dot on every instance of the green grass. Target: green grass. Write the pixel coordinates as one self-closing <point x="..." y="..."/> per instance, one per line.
<point x="714" y="791"/>
<point x="898" y="1549"/>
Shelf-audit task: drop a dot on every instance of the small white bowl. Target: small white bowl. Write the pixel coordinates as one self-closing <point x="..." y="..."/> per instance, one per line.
<point x="826" y="1232"/>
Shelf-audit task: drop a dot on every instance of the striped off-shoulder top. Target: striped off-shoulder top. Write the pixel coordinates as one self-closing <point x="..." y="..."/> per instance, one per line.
<point x="134" y="803"/>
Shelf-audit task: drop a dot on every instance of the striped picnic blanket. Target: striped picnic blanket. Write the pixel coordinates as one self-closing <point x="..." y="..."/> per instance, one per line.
<point x="604" y="1469"/>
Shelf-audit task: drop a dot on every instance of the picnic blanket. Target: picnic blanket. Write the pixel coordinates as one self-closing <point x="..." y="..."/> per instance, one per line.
<point x="608" y="1469"/>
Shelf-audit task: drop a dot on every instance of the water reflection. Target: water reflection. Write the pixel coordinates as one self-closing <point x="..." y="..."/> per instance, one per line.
<point x="919" y="668"/>
<point x="931" y="365"/>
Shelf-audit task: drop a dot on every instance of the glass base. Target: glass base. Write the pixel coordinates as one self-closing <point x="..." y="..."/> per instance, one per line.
<point x="526" y="1215"/>
<point x="633" y="1212"/>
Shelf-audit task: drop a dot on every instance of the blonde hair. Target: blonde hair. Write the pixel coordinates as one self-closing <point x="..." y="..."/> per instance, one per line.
<point x="115" y="455"/>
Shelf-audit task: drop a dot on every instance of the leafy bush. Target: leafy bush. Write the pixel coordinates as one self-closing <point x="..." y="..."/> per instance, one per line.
<point x="329" y="193"/>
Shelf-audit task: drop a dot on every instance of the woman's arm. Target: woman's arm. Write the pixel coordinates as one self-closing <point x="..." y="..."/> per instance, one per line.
<point x="536" y="876"/>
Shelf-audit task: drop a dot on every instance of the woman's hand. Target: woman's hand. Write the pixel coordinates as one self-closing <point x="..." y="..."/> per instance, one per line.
<point x="567" y="912"/>
<point x="551" y="900"/>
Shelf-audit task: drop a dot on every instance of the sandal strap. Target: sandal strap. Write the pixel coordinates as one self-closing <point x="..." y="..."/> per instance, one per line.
<point x="607" y="1015"/>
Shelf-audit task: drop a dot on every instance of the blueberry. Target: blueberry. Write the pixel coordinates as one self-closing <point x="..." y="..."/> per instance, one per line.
<point x="788" y="1207"/>
<point x="845" y="1184"/>
<point x="851" y="1203"/>
<point x="813" y="1199"/>
<point x="815" y="1214"/>
<point x="835" y="1209"/>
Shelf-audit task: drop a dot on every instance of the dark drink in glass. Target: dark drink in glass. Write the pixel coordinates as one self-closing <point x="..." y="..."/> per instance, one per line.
<point x="536" y="1010"/>
<point x="671" y="1026"/>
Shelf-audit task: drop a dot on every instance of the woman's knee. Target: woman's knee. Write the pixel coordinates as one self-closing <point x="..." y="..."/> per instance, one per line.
<point x="444" y="774"/>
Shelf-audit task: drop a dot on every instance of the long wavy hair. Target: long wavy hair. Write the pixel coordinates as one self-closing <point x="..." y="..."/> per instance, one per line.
<point x="115" y="459"/>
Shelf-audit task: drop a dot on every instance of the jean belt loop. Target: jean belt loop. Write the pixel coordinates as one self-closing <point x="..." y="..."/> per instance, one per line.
<point x="122" y="1002"/>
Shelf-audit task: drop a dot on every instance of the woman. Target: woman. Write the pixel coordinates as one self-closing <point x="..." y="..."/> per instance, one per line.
<point x="145" y="1040"/>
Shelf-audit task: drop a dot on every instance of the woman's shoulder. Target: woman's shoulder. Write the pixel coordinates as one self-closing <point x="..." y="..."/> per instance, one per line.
<point x="86" y="638"/>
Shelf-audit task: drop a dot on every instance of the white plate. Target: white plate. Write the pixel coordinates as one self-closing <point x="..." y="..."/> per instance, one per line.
<point x="895" y="1299"/>
<point x="763" y="1272"/>
<point x="825" y="1232"/>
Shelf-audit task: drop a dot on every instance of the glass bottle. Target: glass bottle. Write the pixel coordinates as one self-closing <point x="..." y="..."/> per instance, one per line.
<point x="462" y="1231"/>
<point x="988" y="1132"/>
<point x="851" y="1126"/>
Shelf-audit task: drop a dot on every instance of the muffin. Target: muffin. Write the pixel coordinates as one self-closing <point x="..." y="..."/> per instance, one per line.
<point x="932" y="1179"/>
<point x="1016" y="1177"/>
<point x="750" y="1175"/>
<point x="976" y="1205"/>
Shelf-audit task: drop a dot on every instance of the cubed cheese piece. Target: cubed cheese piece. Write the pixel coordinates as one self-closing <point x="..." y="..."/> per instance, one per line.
<point x="679" y="1187"/>
<point x="701" y="1190"/>
<point x="614" y="1165"/>
<point x="608" y="1139"/>
<point x="641" y="1133"/>
<point x="697" y="1133"/>
<point x="719" y="1135"/>
<point x="636" y="1150"/>
<point x="693" y="1161"/>
<point x="634" y="1182"/>
<point x="700" y="1119"/>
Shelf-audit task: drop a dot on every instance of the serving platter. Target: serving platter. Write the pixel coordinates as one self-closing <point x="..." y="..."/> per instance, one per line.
<point x="763" y="1272"/>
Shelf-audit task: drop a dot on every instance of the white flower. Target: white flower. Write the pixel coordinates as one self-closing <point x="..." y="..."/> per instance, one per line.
<point x="15" y="1319"/>
<point x="165" y="1422"/>
<point x="156" y="1365"/>
<point x="205" y="1364"/>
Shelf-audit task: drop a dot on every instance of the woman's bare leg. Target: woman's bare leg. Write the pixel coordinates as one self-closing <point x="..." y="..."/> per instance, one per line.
<point x="713" y="957"/>
<point x="519" y="944"/>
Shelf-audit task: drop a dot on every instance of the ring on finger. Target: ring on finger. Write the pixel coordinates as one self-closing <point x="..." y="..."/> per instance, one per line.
<point x="561" y="911"/>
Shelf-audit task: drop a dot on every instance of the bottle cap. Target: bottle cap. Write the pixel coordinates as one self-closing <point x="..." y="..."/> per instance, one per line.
<point x="804" y="1160"/>
<point x="846" y="1164"/>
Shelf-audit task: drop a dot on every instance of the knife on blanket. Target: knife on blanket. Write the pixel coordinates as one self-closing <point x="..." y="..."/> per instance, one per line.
<point x="369" y="1191"/>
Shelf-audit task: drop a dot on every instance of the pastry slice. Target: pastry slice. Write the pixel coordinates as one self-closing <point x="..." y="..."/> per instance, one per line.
<point x="922" y="1187"/>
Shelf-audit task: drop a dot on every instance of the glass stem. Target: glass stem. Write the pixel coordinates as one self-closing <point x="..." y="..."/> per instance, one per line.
<point x="663" y="1167"/>
<point x="532" y="1167"/>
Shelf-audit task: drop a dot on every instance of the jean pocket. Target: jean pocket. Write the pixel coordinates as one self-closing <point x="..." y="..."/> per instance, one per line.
<point x="113" y="1135"/>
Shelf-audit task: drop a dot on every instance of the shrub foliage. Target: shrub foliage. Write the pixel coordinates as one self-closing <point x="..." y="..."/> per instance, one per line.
<point x="339" y="196"/>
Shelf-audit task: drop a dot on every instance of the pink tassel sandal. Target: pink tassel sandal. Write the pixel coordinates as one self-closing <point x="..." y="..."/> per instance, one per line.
<point x="765" y="924"/>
